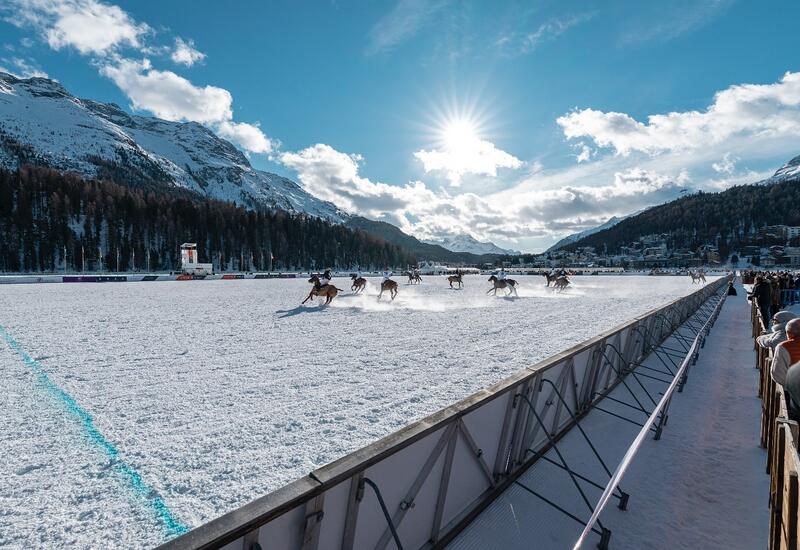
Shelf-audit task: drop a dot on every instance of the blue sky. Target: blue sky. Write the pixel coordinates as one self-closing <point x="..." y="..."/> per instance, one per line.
<point x="516" y="122"/>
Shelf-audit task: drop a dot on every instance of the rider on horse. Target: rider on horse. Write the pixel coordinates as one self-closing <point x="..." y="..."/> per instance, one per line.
<point x="325" y="280"/>
<point x="387" y="274"/>
<point x="501" y="276"/>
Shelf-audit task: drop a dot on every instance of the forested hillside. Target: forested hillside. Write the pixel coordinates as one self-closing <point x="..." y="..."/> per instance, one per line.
<point x="50" y="220"/>
<point x="729" y="219"/>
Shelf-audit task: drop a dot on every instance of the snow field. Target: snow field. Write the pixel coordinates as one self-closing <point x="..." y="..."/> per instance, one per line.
<point x="216" y="392"/>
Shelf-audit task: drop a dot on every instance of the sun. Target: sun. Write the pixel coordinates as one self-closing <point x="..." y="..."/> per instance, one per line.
<point x="459" y="135"/>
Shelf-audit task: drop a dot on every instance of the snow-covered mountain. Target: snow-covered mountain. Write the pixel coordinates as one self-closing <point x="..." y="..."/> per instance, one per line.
<point x="42" y="123"/>
<point x="467" y="243"/>
<point x="569" y="239"/>
<point x="790" y="170"/>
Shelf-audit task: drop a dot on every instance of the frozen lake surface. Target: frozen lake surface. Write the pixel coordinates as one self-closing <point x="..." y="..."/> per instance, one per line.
<point x="132" y="411"/>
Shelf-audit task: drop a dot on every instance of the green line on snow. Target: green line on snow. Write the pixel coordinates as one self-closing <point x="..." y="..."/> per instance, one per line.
<point x="133" y="478"/>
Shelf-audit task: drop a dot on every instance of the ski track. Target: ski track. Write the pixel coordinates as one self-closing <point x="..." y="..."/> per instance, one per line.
<point x="217" y="392"/>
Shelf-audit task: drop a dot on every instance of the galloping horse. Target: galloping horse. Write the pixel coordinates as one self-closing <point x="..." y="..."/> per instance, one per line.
<point x="550" y="277"/>
<point x="456" y="279"/>
<point x="509" y="284"/>
<point x="413" y="277"/>
<point x="561" y="283"/>
<point x="389" y="285"/>
<point x="359" y="283"/>
<point x="697" y="277"/>
<point x="328" y="291"/>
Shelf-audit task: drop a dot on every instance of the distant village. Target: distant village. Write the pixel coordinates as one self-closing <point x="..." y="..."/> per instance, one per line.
<point x="653" y="251"/>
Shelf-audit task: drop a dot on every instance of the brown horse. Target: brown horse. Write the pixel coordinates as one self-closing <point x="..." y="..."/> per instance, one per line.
<point x="413" y="277"/>
<point x="456" y="279"/>
<point x="359" y="284"/>
<point x="561" y="283"/>
<point x="509" y="284"/>
<point x="389" y="285"/>
<point x="328" y="291"/>
<point x="697" y="277"/>
<point x="550" y="277"/>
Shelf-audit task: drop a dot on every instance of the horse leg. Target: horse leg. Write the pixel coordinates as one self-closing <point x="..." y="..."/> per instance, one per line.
<point x="310" y="295"/>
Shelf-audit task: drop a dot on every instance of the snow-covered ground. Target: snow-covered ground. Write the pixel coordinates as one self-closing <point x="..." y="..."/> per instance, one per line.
<point x="133" y="408"/>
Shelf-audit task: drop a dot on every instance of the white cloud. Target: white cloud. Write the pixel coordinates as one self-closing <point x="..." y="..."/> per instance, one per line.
<point x="518" y="42"/>
<point x="101" y="30"/>
<point x="509" y="216"/>
<point x="667" y="20"/>
<point x="631" y="190"/>
<point x="726" y="166"/>
<point x="401" y="23"/>
<point x="21" y="68"/>
<point x="89" y="26"/>
<point x="470" y="156"/>
<point x="168" y="95"/>
<point x="586" y="153"/>
<point x="185" y="53"/>
<point x="752" y="111"/>
<point x="248" y="136"/>
<point x="172" y="97"/>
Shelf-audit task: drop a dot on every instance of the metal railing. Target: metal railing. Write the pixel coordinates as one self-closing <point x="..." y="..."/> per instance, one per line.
<point x="435" y="475"/>
<point x="655" y="420"/>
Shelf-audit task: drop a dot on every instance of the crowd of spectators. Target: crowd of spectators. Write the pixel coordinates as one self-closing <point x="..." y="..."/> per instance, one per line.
<point x="783" y="335"/>
<point x="768" y="291"/>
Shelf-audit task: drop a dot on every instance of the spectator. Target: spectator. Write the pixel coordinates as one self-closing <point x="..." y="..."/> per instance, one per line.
<point x="786" y="353"/>
<point x="778" y="332"/>
<point x="793" y="389"/>
<point x="762" y="293"/>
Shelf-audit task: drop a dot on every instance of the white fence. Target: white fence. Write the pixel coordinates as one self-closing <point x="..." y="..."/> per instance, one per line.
<point x="435" y="475"/>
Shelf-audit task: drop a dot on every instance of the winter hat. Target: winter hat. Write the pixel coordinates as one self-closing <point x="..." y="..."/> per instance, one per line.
<point x="783" y="317"/>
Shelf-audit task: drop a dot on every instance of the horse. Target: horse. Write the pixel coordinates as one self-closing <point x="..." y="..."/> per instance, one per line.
<point x="389" y="285"/>
<point x="509" y="284"/>
<point x="359" y="283"/>
<point x="328" y="291"/>
<point x="561" y="283"/>
<point x="550" y="277"/>
<point x="456" y="279"/>
<point x="698" y="277"/>
<point x="413" y="277"/>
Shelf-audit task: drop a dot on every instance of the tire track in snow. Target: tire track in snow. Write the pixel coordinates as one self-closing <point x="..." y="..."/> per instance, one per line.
<point x="134" y="480"/>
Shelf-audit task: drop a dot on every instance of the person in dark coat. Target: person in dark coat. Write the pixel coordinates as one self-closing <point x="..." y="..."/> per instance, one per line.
<point x="762" y="294"/>
<point x="731" y="289"/>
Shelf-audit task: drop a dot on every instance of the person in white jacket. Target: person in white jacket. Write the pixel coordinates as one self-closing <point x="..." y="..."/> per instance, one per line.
<point x="786" y="353"/>
<point x="777" y="333"/>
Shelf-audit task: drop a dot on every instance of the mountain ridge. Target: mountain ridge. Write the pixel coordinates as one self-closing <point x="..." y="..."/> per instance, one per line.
<point x="41" y="123"/>
<point x="467" y="243"/>
<point x="728" y="219"/>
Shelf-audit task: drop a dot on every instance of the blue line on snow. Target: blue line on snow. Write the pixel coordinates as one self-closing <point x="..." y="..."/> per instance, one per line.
<point x="172" y="525"/>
